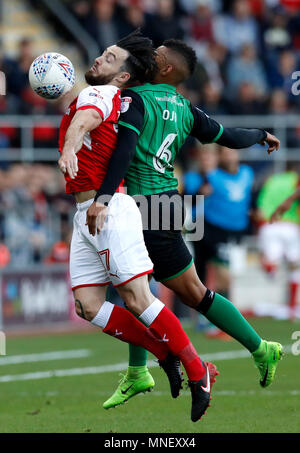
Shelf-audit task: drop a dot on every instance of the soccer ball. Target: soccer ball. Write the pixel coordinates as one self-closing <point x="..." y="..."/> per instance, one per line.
<point x="51" y="75"/>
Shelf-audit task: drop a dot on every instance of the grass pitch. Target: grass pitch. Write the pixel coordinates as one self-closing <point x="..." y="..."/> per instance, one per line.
<point x="70" y="401"/>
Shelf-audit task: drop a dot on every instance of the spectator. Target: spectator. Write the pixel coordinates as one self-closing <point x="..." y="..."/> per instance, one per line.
<point x="281" y="240"/>
<point x="233" y="31"/>
<point x="278" y="104"/>
<point x="11" y="102"/>
<point x="246" y="68"/>
<point x="4" y="256"/>
<point x="280" y="76"/>
<point x="227" y="190"/>
<point x="59" y="253"/>
<point x="246" y="102"/>
<point x="30" y="217"/>
<point x="200" y="27"/>
<point x="276" y="37"/>
<point x="212" y="102"/>
<point x="101" y="23"/>
<point x="81" y="10"/>
<point x="132" y="17"/>
<point x="163" y="24"/>
<point x="214" y="62"/>
<point x="294" y="28"/>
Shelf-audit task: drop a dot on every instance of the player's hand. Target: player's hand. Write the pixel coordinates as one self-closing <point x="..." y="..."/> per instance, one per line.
<point x="282" y="208"/>
<point x="95" y="217"/>
<point x="272" y="141"/>
<point x="68" y="162"/>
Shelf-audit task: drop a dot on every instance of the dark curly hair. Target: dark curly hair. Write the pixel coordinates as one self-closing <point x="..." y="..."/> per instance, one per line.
<point x="141" y="62"/>
<point x="187" y="52"/>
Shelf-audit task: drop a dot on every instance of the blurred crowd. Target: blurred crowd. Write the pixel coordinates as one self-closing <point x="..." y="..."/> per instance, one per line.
<point x="247" y="50"/>
<point x="35" y="215"/>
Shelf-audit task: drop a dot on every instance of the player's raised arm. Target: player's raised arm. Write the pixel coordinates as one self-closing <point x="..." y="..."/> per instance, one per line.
<point x="83" y="121"/>
<point x="130" y="123"/>
<point x="208" y="130"/>
<point x="117" y="169"/>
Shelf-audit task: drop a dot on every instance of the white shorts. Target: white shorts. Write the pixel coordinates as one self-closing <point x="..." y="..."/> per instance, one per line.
<point x="117" y="255"/>
<point x="280" y="240"/>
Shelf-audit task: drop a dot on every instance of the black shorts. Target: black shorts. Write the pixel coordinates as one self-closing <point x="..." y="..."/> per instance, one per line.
<point x="168" y="252"/>
<point x="166" y="247"/>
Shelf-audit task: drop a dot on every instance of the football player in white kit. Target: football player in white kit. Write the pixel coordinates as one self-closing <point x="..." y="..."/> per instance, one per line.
<point x="279" y="235"/>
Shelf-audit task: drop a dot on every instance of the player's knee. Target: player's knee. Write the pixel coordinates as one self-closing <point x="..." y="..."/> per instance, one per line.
<point x="84" y="310"/>
<point x="193" y="293"/>
<point x="132" y="302"/>
<point x="136" y="303"/>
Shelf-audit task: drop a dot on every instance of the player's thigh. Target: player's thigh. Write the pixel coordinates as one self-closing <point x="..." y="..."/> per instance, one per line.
<point x="203" y="253"/>
<point x="136" y="294"/>
<point x="86" y="267"/>
<point x="168" y="252"/>
<point x="88" y="300"/>
<point x="127" y="257"/>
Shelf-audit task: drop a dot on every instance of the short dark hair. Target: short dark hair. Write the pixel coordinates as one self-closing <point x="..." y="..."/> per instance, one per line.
<point x="184" y="50"/>
<point x="141" y="63"/>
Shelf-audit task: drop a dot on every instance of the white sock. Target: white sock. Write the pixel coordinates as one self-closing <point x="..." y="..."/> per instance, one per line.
<point x="151" y="313"/>
<point x="102" y="317"/>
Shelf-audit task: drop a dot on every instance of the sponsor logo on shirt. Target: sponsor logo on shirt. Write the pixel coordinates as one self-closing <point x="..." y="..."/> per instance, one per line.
<point x="96" y="95"/>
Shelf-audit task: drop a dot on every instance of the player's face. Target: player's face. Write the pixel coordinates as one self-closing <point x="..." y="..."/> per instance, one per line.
<point x="107" y="66"/>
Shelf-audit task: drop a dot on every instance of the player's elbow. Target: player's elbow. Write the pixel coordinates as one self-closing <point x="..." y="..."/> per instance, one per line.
<point x="87" y="120"/>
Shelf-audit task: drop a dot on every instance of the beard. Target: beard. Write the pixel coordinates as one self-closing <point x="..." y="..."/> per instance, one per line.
<point x="93" y="80"/>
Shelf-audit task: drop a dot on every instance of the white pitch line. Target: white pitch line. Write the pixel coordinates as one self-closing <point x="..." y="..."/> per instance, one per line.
<point x="67" y="372"/>
<point x="230" y="393"/>
<point x="227" y="355"/>
<point x="44" y="356"/>
<point x="224" y="393"/>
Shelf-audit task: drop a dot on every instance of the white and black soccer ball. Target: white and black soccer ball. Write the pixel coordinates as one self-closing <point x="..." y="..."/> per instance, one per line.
<point x="51" y="75"/>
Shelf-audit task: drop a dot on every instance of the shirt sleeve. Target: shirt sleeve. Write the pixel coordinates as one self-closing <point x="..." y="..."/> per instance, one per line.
<point x="99" y="98"/>
<point x="205" y="129"/>
<point x="132" y="111"/>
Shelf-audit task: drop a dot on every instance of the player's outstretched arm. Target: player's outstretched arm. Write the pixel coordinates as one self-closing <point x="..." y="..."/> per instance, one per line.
<point x="207" y="130"/>
<point x="285" y="206"/>
<point x="83" y="121"/>
<point x="238" y="138"/>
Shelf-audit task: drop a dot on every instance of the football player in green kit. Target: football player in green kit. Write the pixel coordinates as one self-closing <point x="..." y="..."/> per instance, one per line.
<point x="154" y="123"/>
